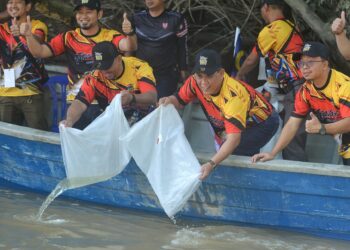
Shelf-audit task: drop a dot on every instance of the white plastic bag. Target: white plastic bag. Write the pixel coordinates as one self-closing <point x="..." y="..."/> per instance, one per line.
<point x="161" y="150"/>
<point x="95" y="154"/>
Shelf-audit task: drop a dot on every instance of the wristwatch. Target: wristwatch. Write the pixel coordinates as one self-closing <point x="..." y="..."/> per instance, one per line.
<point x="212" y="163"/>
<point x="322" y="130"/>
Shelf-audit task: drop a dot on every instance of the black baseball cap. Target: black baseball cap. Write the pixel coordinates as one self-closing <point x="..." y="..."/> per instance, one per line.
<point x="273" y="2"/>
<point x="207" y="61"/>
<point x="104" y="54"/>
<point x="91" y="4"/>
<point x="315" y="49"/>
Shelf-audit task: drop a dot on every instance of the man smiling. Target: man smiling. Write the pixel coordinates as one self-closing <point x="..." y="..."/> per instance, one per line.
<point x="242" y="119"/>
<point x="325" y="96"/>
<point x="77" y="45"/>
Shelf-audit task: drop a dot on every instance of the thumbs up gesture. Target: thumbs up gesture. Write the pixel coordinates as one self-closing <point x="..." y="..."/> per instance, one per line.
<point x="26" y="28"/>
<point x="127" y="26"/>
<point x="313" y="125"/>
<point x="15" y="31"/>
<point x="338" y="24"/>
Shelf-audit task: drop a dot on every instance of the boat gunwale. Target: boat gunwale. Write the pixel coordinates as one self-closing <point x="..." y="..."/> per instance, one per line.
<point x="232" y="161"/>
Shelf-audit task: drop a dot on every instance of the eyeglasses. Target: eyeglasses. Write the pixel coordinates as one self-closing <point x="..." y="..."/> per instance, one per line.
<point x="307" y="64"/>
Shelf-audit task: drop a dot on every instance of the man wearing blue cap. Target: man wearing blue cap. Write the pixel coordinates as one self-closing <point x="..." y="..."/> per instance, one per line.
<point x="243" y="121"/>
<point x="325" y="96"/>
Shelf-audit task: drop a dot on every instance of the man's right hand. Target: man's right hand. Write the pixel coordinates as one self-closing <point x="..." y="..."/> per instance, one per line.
<point x="165" y="101"/>
<point x="338" y="24"/>
<point x="26" y="28"/>
<point x="15" y="30"/>
<point x="66" y="124"/>
<point x="262" y="157"/>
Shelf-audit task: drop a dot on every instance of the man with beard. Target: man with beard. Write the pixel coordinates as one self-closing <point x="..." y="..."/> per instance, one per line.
<point x="162" y="42"/>
<point x="78" y="44"/>
<point x="21" y="96"/>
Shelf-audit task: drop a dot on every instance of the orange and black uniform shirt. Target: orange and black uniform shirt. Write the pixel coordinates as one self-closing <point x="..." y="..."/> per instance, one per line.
<point x="12" y="52"/>
<point x="236" y="107"/>
<point x="137" y="77"/>
<point x="330" y="103"/>
<point x="280" y="36"/>
<point x="78" y="49"/>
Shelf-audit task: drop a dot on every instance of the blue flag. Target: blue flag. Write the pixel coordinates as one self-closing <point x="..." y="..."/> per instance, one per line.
<point x="238" y="54"/>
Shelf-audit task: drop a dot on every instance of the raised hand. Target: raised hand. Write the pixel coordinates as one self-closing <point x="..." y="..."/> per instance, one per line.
<point x="126" y="25"/>
<point x="15" y="30"/>
<point x="26" y="28"/>
<point x="338" y="24"/>
<point x="313" y="125"/>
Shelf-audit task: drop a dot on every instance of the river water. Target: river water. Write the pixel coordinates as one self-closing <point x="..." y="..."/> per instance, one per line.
<point x="68" y="224"/>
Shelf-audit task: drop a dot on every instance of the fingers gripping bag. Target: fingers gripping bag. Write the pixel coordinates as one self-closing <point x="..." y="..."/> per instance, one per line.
<point x="159" y="146"/>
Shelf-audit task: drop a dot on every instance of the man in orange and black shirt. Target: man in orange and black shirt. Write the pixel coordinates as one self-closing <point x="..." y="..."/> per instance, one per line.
<point x="114" y="74"/>
<point x="24" y="98"/>
<point x="77" y="45"/>
<point x="279" y="41"/>
<point x="242" y="119"/>
<point x="326" y="94"/>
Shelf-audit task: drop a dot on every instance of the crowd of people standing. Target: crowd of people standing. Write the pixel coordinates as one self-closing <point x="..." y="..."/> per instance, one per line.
<point x="147" y="63"/>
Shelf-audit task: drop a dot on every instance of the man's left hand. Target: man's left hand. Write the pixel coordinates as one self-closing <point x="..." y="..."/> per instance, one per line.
<point x="313" y="125"/>
<point x="127" y="26"/>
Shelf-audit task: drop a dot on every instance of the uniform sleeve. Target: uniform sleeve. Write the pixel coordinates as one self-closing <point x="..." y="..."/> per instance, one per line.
<point x="266" y="41"/>
<point x="344" y="100"/>
<point x="187" y="93"/>
<point x="182" y="34"/>
<point x="57" y="44"/>
<point x="145" y="78"/>
<point x="235" y="113"/>
<point x="117" y="38"/>
<point x="40" y="30"/>
<point x="87" y="90"/>
<point x="301" y="105"/>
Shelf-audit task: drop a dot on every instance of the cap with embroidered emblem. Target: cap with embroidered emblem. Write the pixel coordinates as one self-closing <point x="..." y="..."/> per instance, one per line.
<point x="91" y="4"/>
<point x="207" y="61"/>
<point x="315" y="49"/>
<point x="104" y="54"/>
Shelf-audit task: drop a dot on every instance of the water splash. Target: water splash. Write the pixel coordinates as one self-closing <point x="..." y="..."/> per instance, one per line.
<point x="59" y="189"/>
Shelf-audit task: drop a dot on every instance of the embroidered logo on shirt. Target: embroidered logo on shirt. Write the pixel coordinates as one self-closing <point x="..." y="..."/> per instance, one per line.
<point x="165" y="25"/>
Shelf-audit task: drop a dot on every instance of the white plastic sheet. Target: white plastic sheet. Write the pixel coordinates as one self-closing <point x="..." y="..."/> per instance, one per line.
<point x="161" y="150"/>
<point x="95" y="154"/>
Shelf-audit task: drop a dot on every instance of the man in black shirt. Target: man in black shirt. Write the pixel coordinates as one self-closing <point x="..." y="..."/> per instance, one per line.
<point x="162" y="42"/>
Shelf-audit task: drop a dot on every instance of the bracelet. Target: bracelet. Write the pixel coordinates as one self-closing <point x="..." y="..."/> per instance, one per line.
<point x="133" y="100"/>
<point x="132" y="32"/>
<point x="212" y="163"/>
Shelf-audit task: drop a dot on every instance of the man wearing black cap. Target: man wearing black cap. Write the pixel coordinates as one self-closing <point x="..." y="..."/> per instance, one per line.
<point x="114" y="74"/>
<point x="243" y="121"/>
<point x="279" y="40"/>
<point x="77" y="46"/>
<point x="325" y="96"/>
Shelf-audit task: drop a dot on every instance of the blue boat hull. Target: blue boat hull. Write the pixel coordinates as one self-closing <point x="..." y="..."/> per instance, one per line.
<point x="305" y="197"/>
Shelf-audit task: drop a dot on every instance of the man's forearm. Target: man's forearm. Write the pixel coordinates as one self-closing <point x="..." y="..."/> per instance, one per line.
<point x="339" y="127"/>
<point x="343" y="44"/>
<point x="287" y="135"/>
<point x="147" y="98"/>
<point x="75" y="110"/>
<point x="36" y="48"/>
